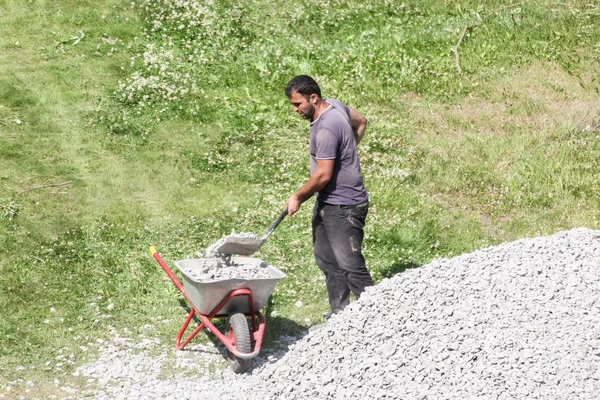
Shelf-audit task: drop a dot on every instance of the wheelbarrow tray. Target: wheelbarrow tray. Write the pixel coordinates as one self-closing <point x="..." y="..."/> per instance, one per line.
<point x="206" y="295"/>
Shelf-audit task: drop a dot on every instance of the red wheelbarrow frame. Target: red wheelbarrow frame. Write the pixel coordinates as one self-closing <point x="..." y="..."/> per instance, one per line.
<point x="228" y="341"/>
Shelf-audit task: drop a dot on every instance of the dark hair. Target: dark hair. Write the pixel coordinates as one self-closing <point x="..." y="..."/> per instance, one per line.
<point x="302" y="84"/>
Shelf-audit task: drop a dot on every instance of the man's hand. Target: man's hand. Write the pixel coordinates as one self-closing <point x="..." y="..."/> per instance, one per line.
<point x="293" y="205"/>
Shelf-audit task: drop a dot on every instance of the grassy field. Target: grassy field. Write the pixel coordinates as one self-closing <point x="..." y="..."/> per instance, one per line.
<point x="130" y="124"/>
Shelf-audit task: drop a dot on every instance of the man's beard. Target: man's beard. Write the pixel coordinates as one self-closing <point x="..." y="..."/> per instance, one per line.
<point x="309" y="114"/>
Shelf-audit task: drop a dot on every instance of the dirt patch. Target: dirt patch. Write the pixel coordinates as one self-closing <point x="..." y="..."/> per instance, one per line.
<point x="537" y="97"/>
<point x="481" y="149"/>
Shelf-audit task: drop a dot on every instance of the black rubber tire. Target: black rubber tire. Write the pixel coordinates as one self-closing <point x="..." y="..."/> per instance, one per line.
<point x="239" y="325"/>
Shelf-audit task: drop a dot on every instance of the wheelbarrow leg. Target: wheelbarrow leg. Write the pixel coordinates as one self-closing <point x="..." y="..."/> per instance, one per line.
<point x="178" y="344"/>
<point x="208" y="324"/>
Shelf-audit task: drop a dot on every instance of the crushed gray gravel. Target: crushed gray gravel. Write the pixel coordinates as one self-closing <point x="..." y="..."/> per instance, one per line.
<point x="216" y="249"/>
<point x="516" y="321"/>
<point x="219" y="269"/>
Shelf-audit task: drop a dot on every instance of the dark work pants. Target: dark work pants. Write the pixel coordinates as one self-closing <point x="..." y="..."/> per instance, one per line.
<point x="337" y="241"/>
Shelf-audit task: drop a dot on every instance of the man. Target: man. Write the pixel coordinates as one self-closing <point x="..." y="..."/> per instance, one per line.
<point x="342" y="202"/>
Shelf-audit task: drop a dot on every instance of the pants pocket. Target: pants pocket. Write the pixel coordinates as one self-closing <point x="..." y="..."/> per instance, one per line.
<point x="358" y="211"/>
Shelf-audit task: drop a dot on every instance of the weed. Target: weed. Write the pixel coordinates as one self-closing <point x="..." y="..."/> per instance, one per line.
<point x="9" y="208"/>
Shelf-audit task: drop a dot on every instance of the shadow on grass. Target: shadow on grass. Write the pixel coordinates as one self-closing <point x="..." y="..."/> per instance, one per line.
<point x="279" y="327"/>
<point x="398" y="267"/>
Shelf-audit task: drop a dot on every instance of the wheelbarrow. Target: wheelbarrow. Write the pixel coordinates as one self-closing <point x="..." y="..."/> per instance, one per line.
<point x="233" y="299"/>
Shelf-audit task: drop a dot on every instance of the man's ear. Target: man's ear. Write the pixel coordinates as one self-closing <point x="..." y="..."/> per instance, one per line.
<point x="314" y="99"/>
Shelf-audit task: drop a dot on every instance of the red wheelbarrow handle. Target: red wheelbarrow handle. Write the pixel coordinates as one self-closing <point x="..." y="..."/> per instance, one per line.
<point x="166" y="268"/>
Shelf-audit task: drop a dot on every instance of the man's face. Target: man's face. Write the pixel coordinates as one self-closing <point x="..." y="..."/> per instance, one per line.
<point x="303" y="105"/>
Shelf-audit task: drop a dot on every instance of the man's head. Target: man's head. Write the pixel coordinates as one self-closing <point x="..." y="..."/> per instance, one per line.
<point x="304" y="94"/>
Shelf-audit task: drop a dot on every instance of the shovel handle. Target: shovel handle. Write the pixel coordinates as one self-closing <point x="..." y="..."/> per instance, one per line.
<point x="275" y="224"/>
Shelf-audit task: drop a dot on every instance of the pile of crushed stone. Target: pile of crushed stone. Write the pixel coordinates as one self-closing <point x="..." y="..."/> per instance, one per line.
<point x="223" y="268"/>
<point x="519" y="320"/>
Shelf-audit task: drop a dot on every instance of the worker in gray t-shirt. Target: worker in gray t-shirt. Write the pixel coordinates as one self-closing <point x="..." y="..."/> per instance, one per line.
<point x="342" y="201"/>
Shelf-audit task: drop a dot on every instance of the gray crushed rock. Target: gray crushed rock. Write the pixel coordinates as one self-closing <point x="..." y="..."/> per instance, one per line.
<point x="213" y="249"/>
<point x="223" y="268"/>
<point x="516" y="321"/>
<point x="216" y="266"/>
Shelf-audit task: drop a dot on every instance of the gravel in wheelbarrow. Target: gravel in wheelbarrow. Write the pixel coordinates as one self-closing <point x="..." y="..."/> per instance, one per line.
<point x="207" y="292"/>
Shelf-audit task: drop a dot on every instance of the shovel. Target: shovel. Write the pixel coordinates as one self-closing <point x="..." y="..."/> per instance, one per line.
<point x="242" y="245"/>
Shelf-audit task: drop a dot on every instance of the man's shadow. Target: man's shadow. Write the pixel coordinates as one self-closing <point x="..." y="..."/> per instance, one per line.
<point x="398" y="267"/>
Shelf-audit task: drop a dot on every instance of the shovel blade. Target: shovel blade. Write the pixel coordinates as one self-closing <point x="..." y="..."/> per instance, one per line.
<point x="240" y="245"/>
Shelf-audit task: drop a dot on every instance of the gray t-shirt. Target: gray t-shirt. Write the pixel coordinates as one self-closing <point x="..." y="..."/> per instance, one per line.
<point x="331" y="137"/>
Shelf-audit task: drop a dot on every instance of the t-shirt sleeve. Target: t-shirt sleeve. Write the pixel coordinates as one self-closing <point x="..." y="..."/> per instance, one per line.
<point x="327" y="145"/>
<point x="341" y="106"/>
<point x="347" y="109"/>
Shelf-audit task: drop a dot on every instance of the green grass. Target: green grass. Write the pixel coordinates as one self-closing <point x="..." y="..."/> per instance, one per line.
<point x="96" y="164"/>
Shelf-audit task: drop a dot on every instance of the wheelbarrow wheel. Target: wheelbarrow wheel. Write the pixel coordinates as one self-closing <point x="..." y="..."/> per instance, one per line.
<point x="238" y="327"/>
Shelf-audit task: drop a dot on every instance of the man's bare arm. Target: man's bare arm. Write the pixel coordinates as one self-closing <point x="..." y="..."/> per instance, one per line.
<point x="359" y="124"/>
<point x="316" y="182"/>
